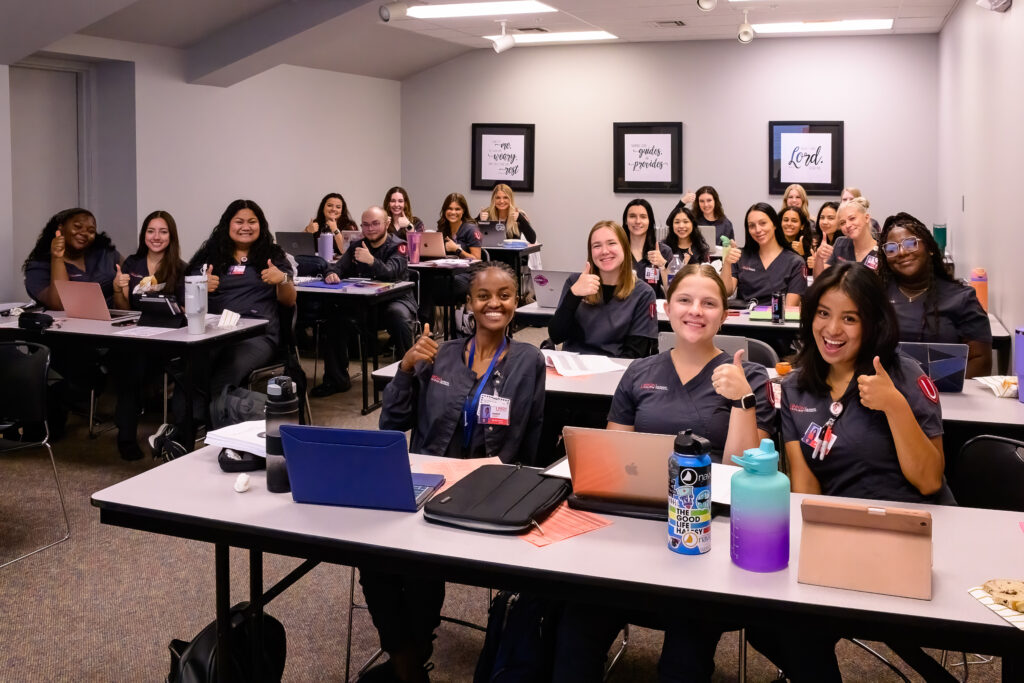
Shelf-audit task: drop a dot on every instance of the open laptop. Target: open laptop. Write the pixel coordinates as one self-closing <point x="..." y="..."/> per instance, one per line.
<point x="348" y="237"/>
<point x="492" y="233"/>
<point x="946" y="364"/>
<point x="354" y="468"/>
<point x="547" y="287"/>
<point x="85" y="300"/>
<point x="297" y="243"/>
<point x="432" y="245"/>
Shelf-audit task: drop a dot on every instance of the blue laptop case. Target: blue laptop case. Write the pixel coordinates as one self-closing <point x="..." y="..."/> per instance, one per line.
<point x="351" y="467"/>
<point x="946" y="364"/>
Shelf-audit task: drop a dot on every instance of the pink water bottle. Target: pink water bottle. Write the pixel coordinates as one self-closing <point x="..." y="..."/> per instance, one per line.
<point x="979" y="280"/>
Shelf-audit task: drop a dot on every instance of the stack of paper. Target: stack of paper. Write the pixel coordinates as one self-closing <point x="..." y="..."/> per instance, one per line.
<point x="569" y="364"/>
<point x="244" y="436"/>
<point x="1003" y="386"/>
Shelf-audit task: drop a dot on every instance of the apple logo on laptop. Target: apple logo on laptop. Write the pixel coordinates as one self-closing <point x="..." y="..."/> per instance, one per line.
<point x="632" y="469"/>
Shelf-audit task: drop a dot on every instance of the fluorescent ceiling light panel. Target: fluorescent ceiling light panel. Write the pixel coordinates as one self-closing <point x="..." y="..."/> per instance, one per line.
<point x="478" y="9"/>
<point x="824" y="26"/>
<point x="566" y="37"/>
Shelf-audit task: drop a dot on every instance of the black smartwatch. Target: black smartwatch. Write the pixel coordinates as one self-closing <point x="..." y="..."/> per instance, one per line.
<point x="746" y="402"/>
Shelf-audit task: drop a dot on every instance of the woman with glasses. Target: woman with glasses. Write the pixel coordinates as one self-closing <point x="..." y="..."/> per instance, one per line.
<point x="857" y="243"/>
<point x="930" y="305"/>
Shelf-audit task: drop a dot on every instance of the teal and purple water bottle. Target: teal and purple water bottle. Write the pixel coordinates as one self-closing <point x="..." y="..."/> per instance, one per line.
<point x="689" y="495"/>
<point x="759" y="511"/>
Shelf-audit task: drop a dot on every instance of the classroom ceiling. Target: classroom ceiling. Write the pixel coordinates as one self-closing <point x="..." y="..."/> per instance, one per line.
<point x="348" y="36"/>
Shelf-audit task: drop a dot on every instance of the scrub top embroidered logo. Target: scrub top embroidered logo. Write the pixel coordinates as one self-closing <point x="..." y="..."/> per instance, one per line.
<point x="797" y="408"/>
<point x="653" y="311"/>
<point x="748" y="268"/>
<point x="402" y="249"/>
<point x="656" y="387"/>
<point x="928" y="388"/>
<point x="438" y="380"/>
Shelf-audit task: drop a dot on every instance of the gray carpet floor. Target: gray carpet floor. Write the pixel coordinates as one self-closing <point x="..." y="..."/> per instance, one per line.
<point x="103" y="605"/>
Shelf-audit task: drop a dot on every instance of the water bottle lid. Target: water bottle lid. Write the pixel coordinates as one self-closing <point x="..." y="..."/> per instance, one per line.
<point x="978" y="273"/>
<point x="687" y="443"/>
<point x="281" y="386"/>
<point x="725" y="241"/>
<point x="762" y="460"/>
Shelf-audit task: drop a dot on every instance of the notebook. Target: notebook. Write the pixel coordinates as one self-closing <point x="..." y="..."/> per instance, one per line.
<point x="946" y="364"/>
<point x="297" y="243"/>
<point x="547" y="287"/>
<point x="85" y="300"/>
<point x="492" y="233"/>
<point x="354" y="468"/>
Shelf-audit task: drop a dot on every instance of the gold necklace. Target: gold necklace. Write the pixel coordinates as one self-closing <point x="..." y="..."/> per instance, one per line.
<point x="911" y="297"/>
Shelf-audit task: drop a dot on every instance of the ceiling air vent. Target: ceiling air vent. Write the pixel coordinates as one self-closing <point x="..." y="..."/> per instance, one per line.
<point x="669" y="23"/>
<point x="531" y="29"/>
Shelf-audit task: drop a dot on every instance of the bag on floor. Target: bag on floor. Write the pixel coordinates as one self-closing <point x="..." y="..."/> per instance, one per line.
<point x="196" y="661"/>
<point x="234" y="404"/>
<point x="520" y="643"/>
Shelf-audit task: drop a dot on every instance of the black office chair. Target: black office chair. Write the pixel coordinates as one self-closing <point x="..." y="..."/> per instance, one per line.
<point x="989" y="473"/>
<point x="23" y="370"/>
<point x="287" y="362"/>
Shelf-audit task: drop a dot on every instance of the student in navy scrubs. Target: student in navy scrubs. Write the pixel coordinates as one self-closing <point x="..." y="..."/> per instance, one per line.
<point x="250" y="275"/>
<point x="853" y="193"/>
<point x="503" y="208"/>
<point x="879" y="409"/>
<point x="435" y="389"/>
<point x="766" y="264"/>
<point x="378" y="256"/>
<point x="461" y="240"/>
<point x="796" y="226"/>
<point x="158" y="257"/>
<point x="930" y="305"/>
<point x="606" y="310"/>
<point x="857" y="243"/>
<point x="708" y="208"/>
<point x="399" y="210"/>
<point x="827" y="226"/>
<point x="332" y="216"/>
<point x="70" y="248"/>
<point x="649" y="258"/>
<point x="684" y="240"/>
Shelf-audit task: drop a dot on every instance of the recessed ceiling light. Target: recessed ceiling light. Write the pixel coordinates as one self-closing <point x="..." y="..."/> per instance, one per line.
<point x="478" y="9"/>
<point x="825" y="26"/>
<point x="564" y="37"/>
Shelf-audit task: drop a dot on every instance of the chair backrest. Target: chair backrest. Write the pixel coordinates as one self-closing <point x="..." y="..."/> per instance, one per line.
<point x="666" y="341"/>
<point x="989" y="473"/>
<point x="23" y="370"/>
<point x="760" y="352"/>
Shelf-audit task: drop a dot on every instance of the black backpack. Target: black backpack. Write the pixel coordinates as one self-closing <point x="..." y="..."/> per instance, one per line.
<point x="520" y="643"/>
<point x="196" y="661"/>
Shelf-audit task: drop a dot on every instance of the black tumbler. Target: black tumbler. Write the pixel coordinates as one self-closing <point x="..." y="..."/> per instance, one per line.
<point x="282" y="408"/>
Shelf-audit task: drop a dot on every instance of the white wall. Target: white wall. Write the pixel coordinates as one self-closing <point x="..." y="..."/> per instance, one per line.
<point x="283" y="138"/>
<point x="981" y="68"/>
<point x="10" y="288"/>
<point x="884" y="88"/>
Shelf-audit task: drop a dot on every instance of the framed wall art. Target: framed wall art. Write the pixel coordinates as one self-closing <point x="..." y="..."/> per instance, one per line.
<point x="648" y="157"/>
<point x="808" y="153"/>
<point x="503" y="153"/>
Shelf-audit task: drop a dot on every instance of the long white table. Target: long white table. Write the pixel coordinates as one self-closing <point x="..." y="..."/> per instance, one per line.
<point x="625" y="564"/>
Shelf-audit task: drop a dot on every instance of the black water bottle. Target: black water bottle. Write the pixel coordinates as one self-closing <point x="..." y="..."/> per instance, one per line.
<point x="282" y="408"/>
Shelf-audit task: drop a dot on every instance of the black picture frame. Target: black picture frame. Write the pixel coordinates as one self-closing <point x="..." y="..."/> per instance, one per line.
<point x="488" y="171"/>
<point x="626" y="158"/>
<point x="778" y="165"/>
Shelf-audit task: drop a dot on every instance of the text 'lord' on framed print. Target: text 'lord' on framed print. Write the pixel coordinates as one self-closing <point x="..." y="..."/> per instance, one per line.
<point x="807" y="153"/>
<point x="503" y="153"/>
<point x="648" y="157"/>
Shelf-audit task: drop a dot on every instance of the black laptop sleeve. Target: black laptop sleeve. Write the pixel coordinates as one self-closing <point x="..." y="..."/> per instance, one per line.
<point x="498" y="498"/>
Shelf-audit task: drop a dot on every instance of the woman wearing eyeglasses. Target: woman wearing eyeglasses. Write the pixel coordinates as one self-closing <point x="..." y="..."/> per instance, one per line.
<point x="857" y="244"/>
<point x="930" y="305"/>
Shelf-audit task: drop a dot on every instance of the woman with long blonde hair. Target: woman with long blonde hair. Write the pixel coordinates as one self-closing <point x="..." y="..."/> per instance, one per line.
<point x="503" y="208"/>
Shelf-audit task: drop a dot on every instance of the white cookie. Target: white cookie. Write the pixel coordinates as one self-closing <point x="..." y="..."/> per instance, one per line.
<point x="1008" y="592"/>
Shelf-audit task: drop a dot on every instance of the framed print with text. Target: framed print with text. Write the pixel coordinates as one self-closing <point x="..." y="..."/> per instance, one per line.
<point x="808" y="153"/>
<point x="503" y="153"/>
<point x="648" y="157"/>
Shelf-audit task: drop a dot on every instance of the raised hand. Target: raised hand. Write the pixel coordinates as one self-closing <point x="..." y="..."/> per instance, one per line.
<point x="212" y="281"/>
<point x="402" y="222"/>
<point x="877" y="392"/>
<point x="485" y="215"/>
<point x="824" y="253"/>
<point x="425" y="349"/>
<point x="312" y="226"/>
<point x="363" y="255"/>
<point x="121" y="280"/>
<point x="57" y="246"/>
<point x="332" y="224"/>
<point x="587" y="284"/>
<point x="729" y="380"/>
<point x="688" y="198"/>
<point x="272" y="275"/>
<point x="656" y="259"/>
<point x="734" y="254"/>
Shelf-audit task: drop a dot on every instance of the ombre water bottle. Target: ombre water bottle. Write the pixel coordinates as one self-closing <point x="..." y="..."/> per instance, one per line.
<point x="759" y="514"/>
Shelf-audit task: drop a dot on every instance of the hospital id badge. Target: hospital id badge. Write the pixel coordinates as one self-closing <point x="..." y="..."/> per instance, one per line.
<point x="651" y="274"/>
<point x="236" y="270"/>
<point x="493" y="410"/>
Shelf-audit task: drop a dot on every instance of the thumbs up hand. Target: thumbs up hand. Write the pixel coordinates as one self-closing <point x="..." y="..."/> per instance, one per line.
<point x="425" y="349"/>
<point x="212" y="281"/>
<point x="734" y="254"/>
<point x="877" y="391"/>
<point x="57" y="246"/>
<point x="272" y="275"/>
<point x="729" y="380"/>
<point x="587" y="284"/>
<point x="121" y="280"/>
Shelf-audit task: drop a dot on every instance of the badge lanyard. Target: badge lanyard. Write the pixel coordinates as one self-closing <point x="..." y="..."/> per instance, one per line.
<point x="825" y="438"/>
<point x="473" y="400"/>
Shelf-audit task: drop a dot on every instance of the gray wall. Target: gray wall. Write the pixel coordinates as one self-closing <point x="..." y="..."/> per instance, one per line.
<point x="10" y="280"/>
<point x="884" y="88"/>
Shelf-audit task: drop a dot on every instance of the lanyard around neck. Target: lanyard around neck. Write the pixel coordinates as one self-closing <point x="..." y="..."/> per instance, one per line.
<point x="473" y="400"/>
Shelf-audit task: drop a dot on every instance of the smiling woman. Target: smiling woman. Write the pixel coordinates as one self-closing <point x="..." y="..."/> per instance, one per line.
<point x="767" y="262"/>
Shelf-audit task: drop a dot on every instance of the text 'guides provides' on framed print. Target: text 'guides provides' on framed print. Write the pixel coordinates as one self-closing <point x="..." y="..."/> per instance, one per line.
<point x="807" y="153"/>
<point x="503" y="153"/>
<point x="648" y="157"/>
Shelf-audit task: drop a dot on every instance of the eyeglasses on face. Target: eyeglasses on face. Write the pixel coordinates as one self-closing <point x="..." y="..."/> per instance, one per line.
<point x="374" y="224"/>
<point x="893" y="248"/>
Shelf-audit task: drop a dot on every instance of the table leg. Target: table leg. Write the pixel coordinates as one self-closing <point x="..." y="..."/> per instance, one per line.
<point x="256" y="602"/>
<point x="222" y="563"/>
<point x="368" y="336"/>
<point x="1012" y="667"/>
<point x="449" y="309"/>
<point x="188" y="389"/>
<point x="375" y="318"/>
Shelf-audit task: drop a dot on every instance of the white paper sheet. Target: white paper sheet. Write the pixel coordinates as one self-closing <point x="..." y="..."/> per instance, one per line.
<point x="244" y="436"/>
<point x="142" y="331"/>
<point x="569" y="364"/>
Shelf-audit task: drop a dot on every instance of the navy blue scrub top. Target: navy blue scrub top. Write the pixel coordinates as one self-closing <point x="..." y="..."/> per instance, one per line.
<point x="100" y="266"/>
<point x="246" y="294"/>
<point x="430" y="399"/>
<point x="468" y="235"/>
<point x="788" y="272"/>
<point x="957" y="318"/>
<point x="137" y="268"/>
<point x="843" y="250"/>
<point x="602" y="329"/>
<point x="641" y="269"/>
<point x="652" y="399"/>
<point x="863" y="461"/>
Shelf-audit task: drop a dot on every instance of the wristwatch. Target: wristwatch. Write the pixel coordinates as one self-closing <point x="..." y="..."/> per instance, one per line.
<point x="335" y="231"/>
<point x="288" y="278"/>
<point x="745" y="402"/>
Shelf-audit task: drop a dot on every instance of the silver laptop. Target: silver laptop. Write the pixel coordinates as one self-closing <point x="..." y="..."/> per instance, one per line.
<point x="612" y="465"/>
<point x="85" y="300"/>
<point x="547" y="286"/>
<point x="492" y="233"/>
<point x="708" y="233"/>
<point x="348" y="237"/>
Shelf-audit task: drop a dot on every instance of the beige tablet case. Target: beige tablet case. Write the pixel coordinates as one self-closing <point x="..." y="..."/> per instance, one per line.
<point x="870" y="548"/>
